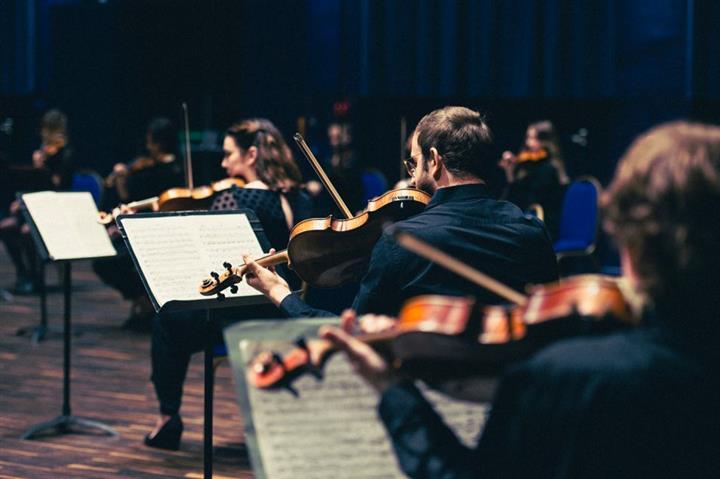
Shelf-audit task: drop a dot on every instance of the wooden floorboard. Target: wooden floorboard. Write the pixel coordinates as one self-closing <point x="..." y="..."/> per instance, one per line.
<point x="110" y="371"/>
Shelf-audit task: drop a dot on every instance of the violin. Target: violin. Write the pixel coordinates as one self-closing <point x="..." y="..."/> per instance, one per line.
<point x="139" y="164"/>
<point x="532" y="155"/>
<point x="179" y="199"/>
<point x="445" y="336"/>
<point x="329" y="252"/>
<point x="439" y="337"/>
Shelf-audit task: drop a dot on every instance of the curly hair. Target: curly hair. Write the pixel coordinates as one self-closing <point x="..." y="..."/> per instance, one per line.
<point x="275" y="164"/>
<point x="662" y="206"/>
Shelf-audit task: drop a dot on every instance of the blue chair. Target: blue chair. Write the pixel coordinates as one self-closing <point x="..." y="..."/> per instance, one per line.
<point x="374" y="184"/>
<point x="579" y="219"/>
<point x="90" y="181"/>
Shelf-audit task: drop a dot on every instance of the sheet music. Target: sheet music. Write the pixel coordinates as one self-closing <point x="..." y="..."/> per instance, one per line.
<point x="176" y="253"/>
<point x="67" y="223"/>
<point x="331" y="429"/>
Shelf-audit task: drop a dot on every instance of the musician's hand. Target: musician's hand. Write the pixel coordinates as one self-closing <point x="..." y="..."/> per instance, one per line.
<point x="120" y="169"/>
<point x="507" y="163"/>
<point x="123" y="209"/>
<point x="266" y="280"/>
<point x="38" y="158"/>
<point x="15" y="207"/>
<point x="366" y="362"/>
<point x="313" y="187"/>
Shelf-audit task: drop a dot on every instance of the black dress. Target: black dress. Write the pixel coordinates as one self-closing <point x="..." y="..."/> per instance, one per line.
<point x="119" y="271"/>
<point x="538" y="182"/>
<point x="176" y="336"/>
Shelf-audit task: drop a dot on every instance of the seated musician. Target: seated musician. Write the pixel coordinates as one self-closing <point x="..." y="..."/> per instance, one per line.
<point x="536" y="175"/>
<point x="256" y="152"/>
<point x="634" y="403"/>
<point x="152" y="172"/>
<point x="148" y="175"/>
<point x="53" y="162"/>
<point x="451" y="154"/>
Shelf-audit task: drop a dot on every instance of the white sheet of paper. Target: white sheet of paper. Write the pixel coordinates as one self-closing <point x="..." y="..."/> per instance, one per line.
<point x="176" y="253"/>
<point x="67" y="223"/>
<point x="331" y="429"/>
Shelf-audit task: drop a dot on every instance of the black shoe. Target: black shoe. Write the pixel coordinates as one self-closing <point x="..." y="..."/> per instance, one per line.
<point x="140" y="323"/>
<point x="168" y="437"/>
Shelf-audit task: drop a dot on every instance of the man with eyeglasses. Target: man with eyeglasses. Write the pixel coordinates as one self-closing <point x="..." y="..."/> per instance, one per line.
<point x="451" y="155"/>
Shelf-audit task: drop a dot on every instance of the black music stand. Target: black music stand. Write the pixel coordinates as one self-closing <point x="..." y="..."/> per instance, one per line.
<point x="65" y="422"/>
<point x="194" y="302"/>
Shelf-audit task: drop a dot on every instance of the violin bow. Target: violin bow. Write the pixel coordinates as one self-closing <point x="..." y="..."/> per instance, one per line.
<point x="321" y="173"/>
<point x="421" y="248"/>
<point x="188" y="155"/>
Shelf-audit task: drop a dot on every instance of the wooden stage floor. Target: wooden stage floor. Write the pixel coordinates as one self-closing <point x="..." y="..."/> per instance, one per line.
<point x="110" y="371"/>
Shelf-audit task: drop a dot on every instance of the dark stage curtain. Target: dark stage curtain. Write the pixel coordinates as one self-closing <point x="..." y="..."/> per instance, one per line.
<point x="515" y="49"/>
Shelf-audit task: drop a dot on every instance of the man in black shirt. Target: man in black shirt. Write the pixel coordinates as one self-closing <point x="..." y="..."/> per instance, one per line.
<point x="451" y="154"/>
<point x="639" y="403"/>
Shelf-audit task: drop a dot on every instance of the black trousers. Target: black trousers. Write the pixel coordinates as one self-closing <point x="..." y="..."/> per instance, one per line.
<point x="177" y="336"/>
<point x="19" y="246"/>
<point x="119" y="271"/>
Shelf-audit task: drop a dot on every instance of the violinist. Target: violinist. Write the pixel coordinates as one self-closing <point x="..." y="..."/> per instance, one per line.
<point x="536" y="175"/>
<point x="450" y="156"/>
<point x="255" y="151"/>
<point x="628" y="404"/>
<point x="150" y="173"/>
<point x="53" y="161"/>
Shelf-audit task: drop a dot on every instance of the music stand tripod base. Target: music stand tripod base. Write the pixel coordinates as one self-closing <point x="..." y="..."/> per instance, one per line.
<point x="64" y="423"/>
<point x="67" y="425"/>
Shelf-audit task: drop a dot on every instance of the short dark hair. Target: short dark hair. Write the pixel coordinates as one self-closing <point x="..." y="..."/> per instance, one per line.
<point x="163" y="133"/>
<point x="662" y="206"/>
<point x="54" y="121"/>
<point x="462" y="138"/>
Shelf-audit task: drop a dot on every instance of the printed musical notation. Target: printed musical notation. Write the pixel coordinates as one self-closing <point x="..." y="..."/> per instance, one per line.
<point x="328" y="428"/>
<point x="67" y="223"/>
<point x="176" y="252"/>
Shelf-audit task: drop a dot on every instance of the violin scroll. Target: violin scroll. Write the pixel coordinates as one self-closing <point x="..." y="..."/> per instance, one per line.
<point x="231" y="276"/>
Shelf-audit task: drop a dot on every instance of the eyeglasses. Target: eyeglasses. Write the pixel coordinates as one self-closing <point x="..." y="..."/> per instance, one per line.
<point x="410" y="165"/>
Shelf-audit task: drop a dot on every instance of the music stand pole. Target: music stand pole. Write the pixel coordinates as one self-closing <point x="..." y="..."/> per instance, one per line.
<point x="39" y="333"/>
<point x="63" y="424"/>
<point x="208" y="399"/>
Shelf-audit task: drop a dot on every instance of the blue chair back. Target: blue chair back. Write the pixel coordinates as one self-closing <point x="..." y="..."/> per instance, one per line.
<point x="88" y="181"/>
<point x="374" y="184"/>
<point x="579" y="218"/>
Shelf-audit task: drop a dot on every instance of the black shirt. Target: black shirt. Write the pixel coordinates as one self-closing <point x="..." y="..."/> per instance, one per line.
<point x="538" y="182"/>
<point x="463" y="221"/>
<point x="154" y="180"/>
<point x="632" y="404"/>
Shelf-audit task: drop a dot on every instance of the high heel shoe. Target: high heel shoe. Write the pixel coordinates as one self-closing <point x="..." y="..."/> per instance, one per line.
<point x="168" y="437"/>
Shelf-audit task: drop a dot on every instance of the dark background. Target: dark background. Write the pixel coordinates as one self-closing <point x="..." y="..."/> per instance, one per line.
<point x="614" y="67"/>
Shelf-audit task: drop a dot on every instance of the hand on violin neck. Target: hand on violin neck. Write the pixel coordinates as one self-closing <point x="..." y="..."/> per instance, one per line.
<point x="507" y="163"/>
<point x="266" y="280"/>
<point x="367" y="323"/>
<point x="366" y="362"/>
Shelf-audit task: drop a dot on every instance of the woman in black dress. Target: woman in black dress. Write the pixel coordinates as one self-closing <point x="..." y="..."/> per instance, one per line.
<point x="255" y="151"/>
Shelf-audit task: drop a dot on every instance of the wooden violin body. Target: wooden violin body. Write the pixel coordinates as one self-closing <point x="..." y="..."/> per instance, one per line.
<point x="532" y="155"/>
<point x="179" y="199"/>
<point x="198" y="198"/>
<point x="438" y="337"/>
<point x="329" y="252"/>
